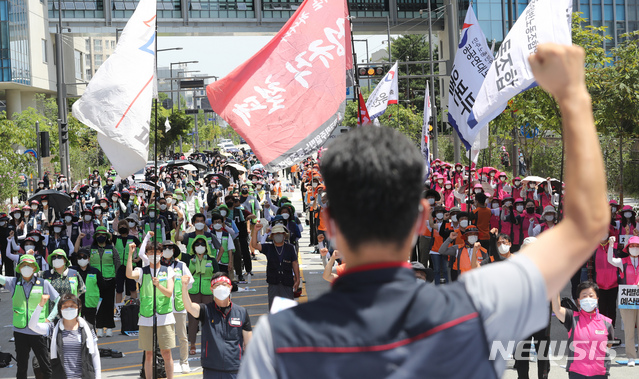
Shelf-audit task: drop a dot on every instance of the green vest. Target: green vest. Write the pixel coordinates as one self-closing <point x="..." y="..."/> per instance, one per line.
<point x="23" y="308"/>
<point x="92" y="296"/>
<point x="225" y="245"/>
<point x="123" y="250"/>
<point x="162" y="302"/>
<point x="105" y="263"/>
<point x="202" y="282"/>
<point x="157" y="236"/>
<point x="73" y="282"/>
<point x="178" y="303"/>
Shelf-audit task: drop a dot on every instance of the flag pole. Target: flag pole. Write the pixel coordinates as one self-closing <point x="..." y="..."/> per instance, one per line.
<point x="356" y="84"/>
<point x="155" y="200"/>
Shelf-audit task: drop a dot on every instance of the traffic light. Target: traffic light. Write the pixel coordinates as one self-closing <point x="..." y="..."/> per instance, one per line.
<point x="370" y="71"/>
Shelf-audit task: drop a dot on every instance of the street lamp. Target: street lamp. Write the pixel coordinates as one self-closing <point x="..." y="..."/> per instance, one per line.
<point x="171" y="76"/>
<point x="432" y="78"/>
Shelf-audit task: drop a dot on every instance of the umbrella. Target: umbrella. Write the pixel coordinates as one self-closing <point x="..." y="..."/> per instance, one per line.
<point x="536" y="179"/>
<point x="258" y="166"/>
<point x="196" y="165"/>
<point x="235" y="166"/>
<point x="486" y="170"/>
<point x="486" y="186"/>
<point x="189" y="167"/>
<point x="219" y="178"/>
<point x="59" y="201"/>
<point x="199" y="165"/>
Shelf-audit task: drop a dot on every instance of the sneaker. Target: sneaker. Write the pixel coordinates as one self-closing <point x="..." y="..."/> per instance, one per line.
<point x="240" y="278"/>
<point x="100" y="333"/>
<point x="631" y="363"/>
<point x="186" y="368"/>
<point x="109" y="332"/>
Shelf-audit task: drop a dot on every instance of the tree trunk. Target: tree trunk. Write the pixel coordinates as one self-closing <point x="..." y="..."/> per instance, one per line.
<point x="620" y="170"/>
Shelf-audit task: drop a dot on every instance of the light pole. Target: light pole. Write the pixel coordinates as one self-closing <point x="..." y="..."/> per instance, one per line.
<point x="61" y="98"/>
<point x="171" y="76"/>
<point x="432" y="81"/>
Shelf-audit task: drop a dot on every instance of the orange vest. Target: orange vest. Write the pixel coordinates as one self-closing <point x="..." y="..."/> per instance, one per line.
<point x="463" y="260"/>
<point x="438" y="241"/>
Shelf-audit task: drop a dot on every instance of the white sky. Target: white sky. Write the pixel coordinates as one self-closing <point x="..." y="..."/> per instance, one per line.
<point x="220" y="55"/>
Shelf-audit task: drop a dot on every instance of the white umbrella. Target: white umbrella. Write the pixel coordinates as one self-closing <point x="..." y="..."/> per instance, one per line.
<point x="536" y="179"/>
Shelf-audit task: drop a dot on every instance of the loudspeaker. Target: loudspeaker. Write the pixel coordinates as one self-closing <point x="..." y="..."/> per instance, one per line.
<point x="44" y="144"/>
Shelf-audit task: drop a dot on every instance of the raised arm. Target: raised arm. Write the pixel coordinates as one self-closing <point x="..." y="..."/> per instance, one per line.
<point x="254" y="244"/>
<point x="130" y="273"/>
<point x="611" y="258"/>
<point x="560" y="312"/>
<point x="562" y="250"/>
<point x="192" y="308"/>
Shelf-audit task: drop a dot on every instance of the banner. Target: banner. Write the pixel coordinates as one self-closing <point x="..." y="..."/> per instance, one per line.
<point x="426" y="130"/>
<point x="167" y="125"/>
<point x="628" y="297"/>
<point x="384" y="94"/>
<point x="541" y="22"/>
<point x="287" y="99"/>
<point x="117" y="102"/>
<point x="363" y="119"/>
<point x="472" y="62"/>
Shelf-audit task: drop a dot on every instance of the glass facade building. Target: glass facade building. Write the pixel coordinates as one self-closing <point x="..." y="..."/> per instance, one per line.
<point x="14" y="42"/>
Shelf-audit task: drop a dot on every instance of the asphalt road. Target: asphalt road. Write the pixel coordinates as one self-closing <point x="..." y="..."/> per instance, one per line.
<point x="254" y="298"/>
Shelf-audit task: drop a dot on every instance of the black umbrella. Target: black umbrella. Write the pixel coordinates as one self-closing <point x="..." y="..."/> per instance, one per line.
<point x="59" y="201"/>
<point x="218" y="177"/>
<point x="199" y="165"/>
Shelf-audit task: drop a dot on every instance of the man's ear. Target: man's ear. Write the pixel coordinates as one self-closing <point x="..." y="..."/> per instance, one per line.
<point x="422" y="217"/>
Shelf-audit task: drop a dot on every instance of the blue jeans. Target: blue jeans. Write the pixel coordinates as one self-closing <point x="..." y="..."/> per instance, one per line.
<point x="440" y="267"/>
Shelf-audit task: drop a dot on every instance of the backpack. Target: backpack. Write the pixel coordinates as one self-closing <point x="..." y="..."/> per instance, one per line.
<point x="5" y="359"/>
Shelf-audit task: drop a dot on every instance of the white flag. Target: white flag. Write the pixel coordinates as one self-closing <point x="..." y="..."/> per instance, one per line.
<point x="385" y="93"/>
<point x="472" y="62"/>
<point x="117" y="102"/>
<point x="541" y="22"/>
<point x="167" y="126"/>
<point x="426" y="131"/>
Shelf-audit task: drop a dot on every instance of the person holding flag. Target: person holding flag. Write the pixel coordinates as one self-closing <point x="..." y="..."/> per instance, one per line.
<point x="385" y="94"/>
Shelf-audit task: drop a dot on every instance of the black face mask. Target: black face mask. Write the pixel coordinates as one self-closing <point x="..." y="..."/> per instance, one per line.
<point x="244" y="192"/>
<point x="101" y="239"/>
<point x="125" y="198"/>
<point x="123" y="230"/>
<point x="530" y="210"/>
<point x="229" y="205"/>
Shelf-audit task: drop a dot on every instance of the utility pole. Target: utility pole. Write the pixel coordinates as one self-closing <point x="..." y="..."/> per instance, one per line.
<point x="451" y="13"/>
<point x="433" y="109"/>
<point x="514" y="157"/>
<point x="38" y="149"/>
<point x="62" y="99"/>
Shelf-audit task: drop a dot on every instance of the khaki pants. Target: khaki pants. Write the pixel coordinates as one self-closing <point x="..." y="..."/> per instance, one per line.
<point x="193" y="322"/>
<point x="180" y="333"/>
<point x="630" y="318"/>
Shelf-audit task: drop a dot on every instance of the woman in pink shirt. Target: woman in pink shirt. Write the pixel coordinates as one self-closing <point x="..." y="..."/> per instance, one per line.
<point x="589" y="334"/>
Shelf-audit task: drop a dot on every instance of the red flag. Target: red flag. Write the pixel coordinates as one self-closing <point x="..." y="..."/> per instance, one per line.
<point x="285" y="101"/>
<point x="364" y="119"/>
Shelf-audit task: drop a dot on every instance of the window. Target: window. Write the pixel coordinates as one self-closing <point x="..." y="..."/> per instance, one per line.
<point x="87" y="45"/>
<point x="97" y="45"/>
<point x="97" y="60"/>
<point x="44" y="51"/>
<point x="113" y="45"/>
<point x="77" y="60"/>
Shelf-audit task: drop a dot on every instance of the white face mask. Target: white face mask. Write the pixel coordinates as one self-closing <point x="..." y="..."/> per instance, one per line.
<point x="169" y="201"/>
<point x="97" y="212"/>
<point x="26" y="271"/>
<point x="478" y="190"/>
<point x="217" y="226"/>
<point x="285" y="216"/>
<point x="472" y="239"/>
<point x="549" y="217"/>
<point x="627" y="214"/>
<point x="83" y="262"/>
<point x="152" y="214"/>
<point x="132" y="225"/>
<point x="223" y="213"/>
<point x="3" y="223"/>
<point x="103" y="205"/>
<point x="68" y="218"/>
<point x="163" y="207"/>
<point x="504" y="249"/>
<point x="495" y="205"/>
<point x="453" y="218"/>
<point x="168" y="253"/>
<point x="58" y="262"/>
<point x="448" y="187"/>
<point x="315" y="185"/>
<point x="199" y="226"/>
<point x="69" y="313"/>
<point x="463" y="223"/>
<point x="45" y="203"/>
<point x="517" y="182"/>
<point x="222" y="292"/>
<point x="17" y="216"/>
<point x="634" y="251"/>
<point x="28" y="247"/>
<point x="278" y="238"/>
<point x="57" y="229"/>
<point x="87" y="218"/>
<point x="156" y="258"/>
<point x="439" y="216"/>
<point x="114" y="199"/>
<point x="508" y="204"/>
<point x="34" y="207"/>
<point x="200" y="249"/>
<point x="431" y="201"/>
<point x="520" y="208"/>
<point x="27" y="213"/>
<point x="588" y="304"/>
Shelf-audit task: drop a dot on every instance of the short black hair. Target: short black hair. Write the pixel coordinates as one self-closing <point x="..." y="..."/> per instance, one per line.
<point x="216" y="216"/>
<point x="196" y="216"/>
<point x="69" y="297"/>
<point x="461" y="215"/>
<point x="373" y="165"/>
<point x="481" y="198"/>
<point x="154" y="246"/>
<point x="587" y="284"/>
<point x="219" y="274"/>
<point x="505" y="237"/>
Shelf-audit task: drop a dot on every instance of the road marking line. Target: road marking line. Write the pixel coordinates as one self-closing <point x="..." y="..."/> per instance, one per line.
<point x="241" y="297"/>
<point x="109" y="343"/>
<point x="253" y="305"/>
<point x="122" y="368"/>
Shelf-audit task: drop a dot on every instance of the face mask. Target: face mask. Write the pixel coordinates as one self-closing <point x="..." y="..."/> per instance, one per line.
<point x="520" y="208"/>
<point x="315" y="185"/>
<point x="3" y="223"/>
<point x="101" y="239"/>
<point x="141" y="195"/>
<point x="613" y="209"/>
<point x="530" y="210"/>
<point x="504" y="249"/>
<point x="431" y="201"/>
<point x="26" y="271"/>
<point x="453" y="218"/>
<point x="69" y="313"/>
<point x="495" y="205"/>
<point x="87" y="218"/>
<point x="68" y="218"/>
<point x="163" y="207"/>
<point x="502" y="178"/>
<point x="97" y="212"/>
<point x="420" y="280"/>
<point x="199" y="226"/>
<point x="627" y="214"/>
<point x="588" y="304"/>
<point x="58" y="262"/>
<point x="34" y="207"/>
<point x="259" y="186"/>
<point x="229" y="205"/>
<point x="217" y="226"/>
<point x="484" y="177"/>
<point x="285" y="216"/>
<point x="463" y="223"/>
<point x="439" y="216"/>
<point x="110" y="183"/>
<point x="168" y="253"/>
<point x="169" y="201"/>
<point x="200" y="249"/>
<point x="189" y="188"/>
<point x="448" y="187"/>
<point x="45" y="203"/>
<point x="132" y="225"/>
<point x="223" y="213"/>
<point x="29" y="247"/>
<point x="17" y="216"/>
<point x="478" y="190"/>
<point x="57" y="229"/>
<point x="152" y="214"/>
<point x="27" y="213"/>
<point x="458" y="169"/>
<point x="244" y="192"/>
<point x="221" y="292"/>
<point x="472" y="239"/>
<point x="103" y="205"/>
<point x="156" y="258"/>
<point x="83" y="262"/>
<point x="278" y="238"/>
<point x="549" y="217"/>
<point x="41" y="185"/>
<point x="634" y="251"/>
<point x="517" y="182"/>
<point x="95" y="185"/>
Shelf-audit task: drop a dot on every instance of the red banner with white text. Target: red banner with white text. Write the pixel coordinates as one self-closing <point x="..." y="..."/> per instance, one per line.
<point x="285" y="100"/>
